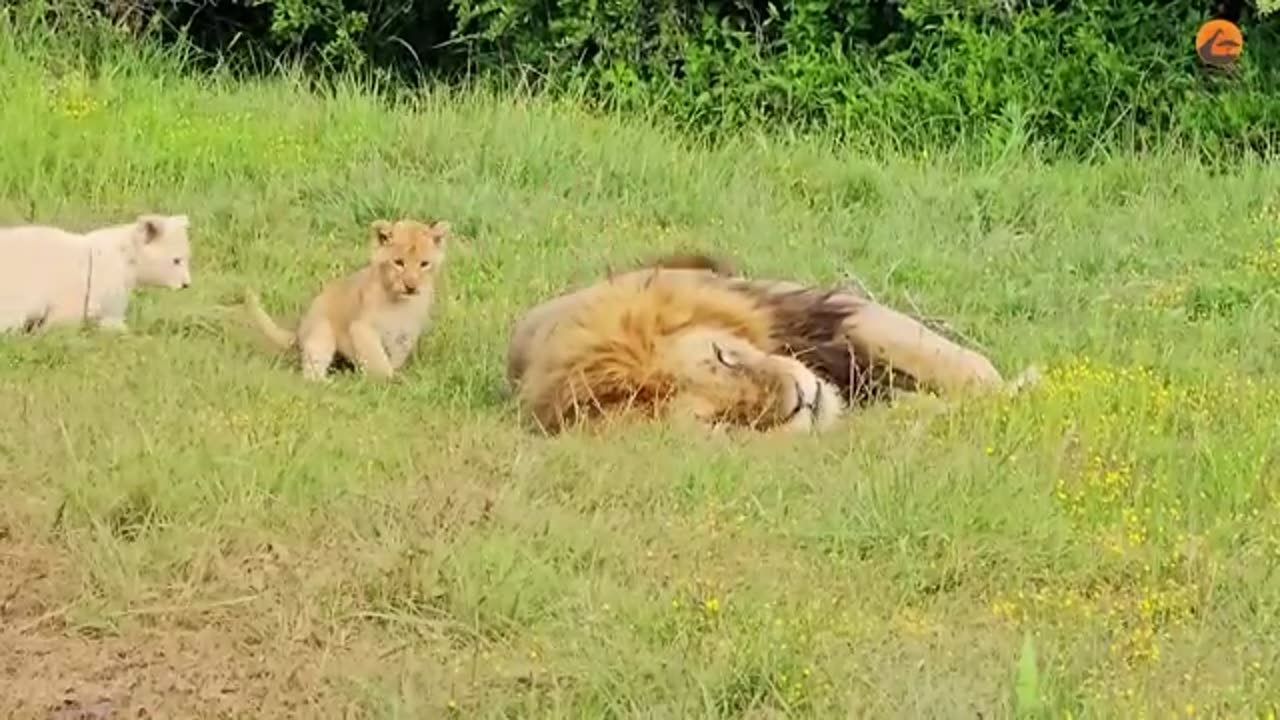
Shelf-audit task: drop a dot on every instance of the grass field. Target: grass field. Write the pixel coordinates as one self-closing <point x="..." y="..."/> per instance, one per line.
<point x="191" y="529"/>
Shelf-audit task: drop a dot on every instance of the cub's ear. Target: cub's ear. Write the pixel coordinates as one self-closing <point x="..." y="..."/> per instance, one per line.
<point x="381" y="231"/>
<point x="440" y="229"/>
<point x="149" y="228"/>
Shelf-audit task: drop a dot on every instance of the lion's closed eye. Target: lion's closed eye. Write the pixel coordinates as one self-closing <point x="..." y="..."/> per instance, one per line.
<point x="726" y="357"/>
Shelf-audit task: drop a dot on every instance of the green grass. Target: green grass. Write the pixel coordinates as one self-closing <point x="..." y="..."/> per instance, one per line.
<point x="188" y="526"/>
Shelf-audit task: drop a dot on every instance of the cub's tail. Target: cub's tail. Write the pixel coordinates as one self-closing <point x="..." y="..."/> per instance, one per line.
<point x="280" y="337"/>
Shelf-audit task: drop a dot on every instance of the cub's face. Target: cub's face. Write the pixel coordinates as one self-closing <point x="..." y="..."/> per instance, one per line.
<point x="164" y="251"/>
<point x="725" y="380"/>
<point x="406" y="253"/>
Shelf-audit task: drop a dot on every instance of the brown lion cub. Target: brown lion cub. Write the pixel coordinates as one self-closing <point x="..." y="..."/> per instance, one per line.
<point x="374" y="316"/>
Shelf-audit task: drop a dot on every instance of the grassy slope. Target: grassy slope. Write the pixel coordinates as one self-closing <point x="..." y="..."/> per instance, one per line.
<point x="185" y="517"/>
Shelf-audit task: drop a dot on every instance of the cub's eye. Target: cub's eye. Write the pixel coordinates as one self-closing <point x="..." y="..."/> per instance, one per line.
<point x="177" y="261"/>
<point x="726" y="358"/>
<point x="425" y="264"/>
<point x="399" y="263"/>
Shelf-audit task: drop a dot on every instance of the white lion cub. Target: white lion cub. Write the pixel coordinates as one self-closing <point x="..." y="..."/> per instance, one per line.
<point x="49" y="276"/>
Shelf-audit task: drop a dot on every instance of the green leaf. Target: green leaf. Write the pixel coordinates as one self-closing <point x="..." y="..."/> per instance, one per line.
<point x="1027" y="681"/>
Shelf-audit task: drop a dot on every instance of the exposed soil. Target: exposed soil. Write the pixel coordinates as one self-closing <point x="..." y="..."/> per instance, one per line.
<point x="49" y="670"/>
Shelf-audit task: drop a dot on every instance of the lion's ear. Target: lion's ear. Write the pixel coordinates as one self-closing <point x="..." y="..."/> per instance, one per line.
<point x="695" y="261"/>
<point x="149" y="228"/>
<point x="380" y="230"/>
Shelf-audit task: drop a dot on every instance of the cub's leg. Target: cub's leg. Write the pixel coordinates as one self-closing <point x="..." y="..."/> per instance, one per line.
<point x="369" y="353"/>
<point x="908" y="346"/>
<point x="317" y="346"/>
<point x="400" y="351"/>
<point x="111" y="312"/>
<point x="109" y="309"/>
<point x="113" y="323"/>
<point x="17" y="315"/>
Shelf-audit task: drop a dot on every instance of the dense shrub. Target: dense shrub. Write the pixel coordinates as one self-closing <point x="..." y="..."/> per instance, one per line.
<point x="1082" y="75"/>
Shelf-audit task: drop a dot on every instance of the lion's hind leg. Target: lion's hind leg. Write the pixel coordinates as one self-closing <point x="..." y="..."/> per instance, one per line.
<point x="317" y="344"/>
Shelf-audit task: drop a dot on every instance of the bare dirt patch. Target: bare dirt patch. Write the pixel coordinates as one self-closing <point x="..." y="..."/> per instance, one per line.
<point x="49" y="669"/>
<point x="204" y="673"/>
<point x="30" y="578"/>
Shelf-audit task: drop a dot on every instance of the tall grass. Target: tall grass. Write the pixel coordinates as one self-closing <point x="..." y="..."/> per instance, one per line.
<point x="189" y="527"/>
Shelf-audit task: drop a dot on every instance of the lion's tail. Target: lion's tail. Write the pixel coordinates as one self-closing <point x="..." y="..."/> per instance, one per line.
<point x="282" y="338"/>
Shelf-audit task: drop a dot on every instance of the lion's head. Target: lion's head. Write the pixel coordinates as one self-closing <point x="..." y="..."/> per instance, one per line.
<point x="664" y="345"/>
<point x="726" y="380"/>
<point x="406" y="253"/>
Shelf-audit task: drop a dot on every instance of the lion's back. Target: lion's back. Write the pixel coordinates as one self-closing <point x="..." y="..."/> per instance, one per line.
<point x="36" y="266"/>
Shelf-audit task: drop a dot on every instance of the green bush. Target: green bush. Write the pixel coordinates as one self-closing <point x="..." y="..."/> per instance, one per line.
<point x="1077" y="77"/>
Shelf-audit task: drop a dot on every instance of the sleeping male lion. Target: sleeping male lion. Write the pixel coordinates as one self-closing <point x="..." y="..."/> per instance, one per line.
<point x="689" y="341"/>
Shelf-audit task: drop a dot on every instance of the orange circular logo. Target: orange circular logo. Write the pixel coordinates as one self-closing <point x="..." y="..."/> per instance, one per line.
<point x="1219" y="42"/>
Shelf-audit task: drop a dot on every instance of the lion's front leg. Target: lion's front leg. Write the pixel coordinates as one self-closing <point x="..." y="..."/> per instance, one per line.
<point x="908" y="346"/>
